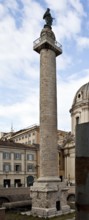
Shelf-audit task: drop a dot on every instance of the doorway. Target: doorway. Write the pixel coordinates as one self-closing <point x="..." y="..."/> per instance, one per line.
<point x="17" y="182"/>
<point x="7" y="183"/>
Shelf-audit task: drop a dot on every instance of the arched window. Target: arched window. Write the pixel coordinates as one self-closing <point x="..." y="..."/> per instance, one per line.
<point x="77" y="120"/>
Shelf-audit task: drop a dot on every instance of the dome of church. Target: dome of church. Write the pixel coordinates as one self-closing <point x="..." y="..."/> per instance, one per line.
<point x="81" y="96"/>
<point x="80" y="107"/>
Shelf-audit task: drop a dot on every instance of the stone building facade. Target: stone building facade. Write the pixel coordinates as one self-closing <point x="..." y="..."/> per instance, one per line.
<point x="18" y="164"/>
<point x="27" y="136"/>
<point x="30" y="137"/>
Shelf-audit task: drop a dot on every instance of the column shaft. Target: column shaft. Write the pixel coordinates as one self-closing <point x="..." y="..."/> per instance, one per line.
<point x="48" y="114"/>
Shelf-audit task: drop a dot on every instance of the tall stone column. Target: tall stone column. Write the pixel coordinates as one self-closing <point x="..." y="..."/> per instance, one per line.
<point x="48" y="104"/>
<point x="48" y="193"/>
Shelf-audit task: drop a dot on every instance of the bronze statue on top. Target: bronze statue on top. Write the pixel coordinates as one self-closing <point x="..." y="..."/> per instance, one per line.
<point x="48" y="18"/>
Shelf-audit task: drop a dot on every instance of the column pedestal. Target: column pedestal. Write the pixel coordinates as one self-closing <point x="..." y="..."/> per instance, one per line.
<point x="49" y="199"/>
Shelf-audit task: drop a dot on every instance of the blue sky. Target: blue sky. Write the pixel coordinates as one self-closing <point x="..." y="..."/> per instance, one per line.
<point x="20" y="24"/>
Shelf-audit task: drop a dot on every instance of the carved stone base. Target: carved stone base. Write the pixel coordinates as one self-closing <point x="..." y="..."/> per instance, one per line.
<point x="49" y="199"/>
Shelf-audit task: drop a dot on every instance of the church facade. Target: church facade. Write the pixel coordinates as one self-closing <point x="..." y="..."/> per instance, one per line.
<point x="79" y="114"/>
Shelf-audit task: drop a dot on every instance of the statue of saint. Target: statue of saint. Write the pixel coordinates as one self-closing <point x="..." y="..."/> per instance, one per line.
<point x="48" y="18"/>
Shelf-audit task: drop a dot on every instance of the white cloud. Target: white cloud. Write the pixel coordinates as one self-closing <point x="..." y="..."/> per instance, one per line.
<point x="22" y="114"/>
<point x="83" y="42"/>
<point x="62" y="6"/>
<point x="73" y="23"/>
<point x="2" y="12"/>
<point x="63" y="62"/>
<point x="10" y="4"/>
<point x="16" y="44"/>
<point x="77" y="5"/>
<point x="66" y="93"/>
<point x="58" y="6"/>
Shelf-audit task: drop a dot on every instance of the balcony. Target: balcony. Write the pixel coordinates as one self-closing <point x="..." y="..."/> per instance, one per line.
<point x="47" y="42"/>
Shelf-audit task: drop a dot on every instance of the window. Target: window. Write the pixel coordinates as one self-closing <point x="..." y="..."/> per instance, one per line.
<point x="58" y="205"/>
<point x="17" y="167"/>
<point x="77" y="120"/>
<point x="17" y="182"/>
<point x="30" y="168"/>
<point x="22" y="137"/>
<point x="17" y="156"/>
<point x="6" y="155"/>
<point x="33" y="133"/>
<point x="6" y="182"/>
<point x="79" y="95"/>
<point x="29" y="135"/>
<point x="29" y="142"/>
<point x="16" y="139"/>
<point x="25" y="136"/>
<point x="6" y="167"/>
<point x="30" y="157"/>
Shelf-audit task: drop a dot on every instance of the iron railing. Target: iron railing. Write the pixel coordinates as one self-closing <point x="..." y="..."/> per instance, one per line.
<point x="38" y="40"/>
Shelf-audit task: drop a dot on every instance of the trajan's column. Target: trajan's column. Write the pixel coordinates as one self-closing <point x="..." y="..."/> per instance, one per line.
<point x="48" y="193"/>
